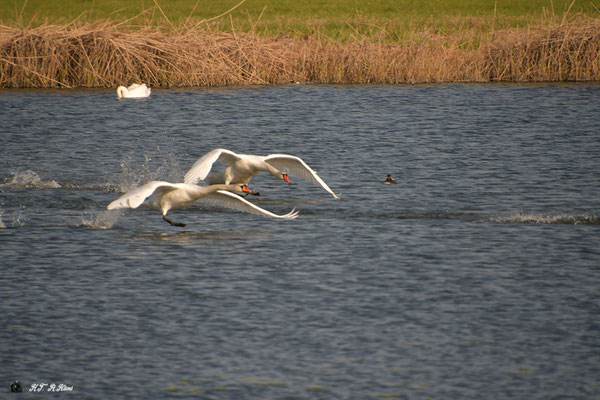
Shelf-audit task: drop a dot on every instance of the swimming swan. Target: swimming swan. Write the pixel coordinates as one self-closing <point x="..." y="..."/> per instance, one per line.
<point x="165" y="196"/>
<point x="133" y="91"/>
<point x="242" y="167"/>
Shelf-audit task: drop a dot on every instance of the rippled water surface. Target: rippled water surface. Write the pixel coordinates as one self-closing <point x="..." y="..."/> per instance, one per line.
<point x="477" y="276"/>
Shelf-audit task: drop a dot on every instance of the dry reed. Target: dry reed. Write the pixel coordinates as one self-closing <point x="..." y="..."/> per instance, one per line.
<point x="107" y="55"/>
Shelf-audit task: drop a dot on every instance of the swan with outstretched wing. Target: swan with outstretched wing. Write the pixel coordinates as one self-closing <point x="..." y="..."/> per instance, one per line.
<point x="242" y="167"/>
<point x="166" y="196"/>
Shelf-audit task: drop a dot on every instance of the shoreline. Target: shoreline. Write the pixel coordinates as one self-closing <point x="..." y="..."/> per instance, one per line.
<point x="96" y="55"/>
<point x="284" y="85"/>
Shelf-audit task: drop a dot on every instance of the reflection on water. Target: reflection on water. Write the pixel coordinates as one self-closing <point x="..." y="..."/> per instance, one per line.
<point x="474" y="276"/>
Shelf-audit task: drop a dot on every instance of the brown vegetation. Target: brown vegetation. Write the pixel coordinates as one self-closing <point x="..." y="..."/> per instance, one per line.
<point x="105" y="55"/>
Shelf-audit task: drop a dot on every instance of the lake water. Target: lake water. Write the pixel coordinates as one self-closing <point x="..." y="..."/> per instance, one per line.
<point x="477" y="276"/>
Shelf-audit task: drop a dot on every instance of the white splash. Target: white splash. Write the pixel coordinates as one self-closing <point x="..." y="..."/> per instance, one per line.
<point x="14" y="220"/>
<point x="102" y="220"/>
<point x="30" y="179"/>
<point x="134" y="174"/>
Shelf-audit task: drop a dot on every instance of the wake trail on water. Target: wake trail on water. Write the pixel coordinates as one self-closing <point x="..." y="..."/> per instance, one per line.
<point x="516" y="218"/>
<point x="565" y="219"/>
<point x="135" y="173"/>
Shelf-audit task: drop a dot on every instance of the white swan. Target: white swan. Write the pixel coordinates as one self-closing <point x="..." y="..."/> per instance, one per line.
<point x="133" y="91"/>
<point x="242" y="167"/>
<point x="165" y="196"/>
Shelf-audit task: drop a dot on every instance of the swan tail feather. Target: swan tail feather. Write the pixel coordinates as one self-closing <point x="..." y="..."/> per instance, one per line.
<point x="134" y="198"/>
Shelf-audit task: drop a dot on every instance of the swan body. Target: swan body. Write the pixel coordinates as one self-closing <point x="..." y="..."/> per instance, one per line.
<point x="166" y="196"/>
<point x="133" y="91"/>
<point x="242" y="167"/>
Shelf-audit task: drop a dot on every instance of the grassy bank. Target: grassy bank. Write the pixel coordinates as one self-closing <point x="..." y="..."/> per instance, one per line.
<point x="397" y="19"/>
<point x="316" y="43"/>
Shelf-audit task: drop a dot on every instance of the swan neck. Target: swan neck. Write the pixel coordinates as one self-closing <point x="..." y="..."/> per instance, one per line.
<point x="273" y="171"/>
<point x="122" y="92"/>
<point x="234" y="188"/>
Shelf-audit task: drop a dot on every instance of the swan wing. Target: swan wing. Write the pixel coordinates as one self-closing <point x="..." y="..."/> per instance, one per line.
<point x="295" y="166"/>
<point x="223" y="198"/>
<point x="203" y="165"/>
<point x="134" y="198"/>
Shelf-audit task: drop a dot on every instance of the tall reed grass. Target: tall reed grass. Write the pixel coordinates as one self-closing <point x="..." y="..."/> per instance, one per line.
<point x="107" y="55"/>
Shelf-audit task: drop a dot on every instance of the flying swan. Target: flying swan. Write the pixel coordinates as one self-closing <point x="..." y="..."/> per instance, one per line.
<point x="133" y="91"/>
<point x="242" y="167"/>
<point x="165" y="196"/>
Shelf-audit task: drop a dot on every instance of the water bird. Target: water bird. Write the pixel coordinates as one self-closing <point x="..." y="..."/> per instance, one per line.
<point x="16" y="387"/>
<point x="389" y="180"/>
<point x="166" y="196"/>
<point x="133" y="91"/>
<point x="242" y="167"/>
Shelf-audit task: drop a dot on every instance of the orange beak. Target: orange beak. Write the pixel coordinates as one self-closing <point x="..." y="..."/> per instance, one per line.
<point x="285" y="178"/>
<point x="246" y="189"/>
